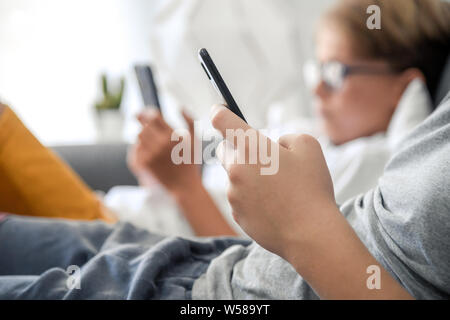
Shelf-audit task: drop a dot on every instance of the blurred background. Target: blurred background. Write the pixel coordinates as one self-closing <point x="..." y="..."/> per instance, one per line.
<point x="53" y="54"/>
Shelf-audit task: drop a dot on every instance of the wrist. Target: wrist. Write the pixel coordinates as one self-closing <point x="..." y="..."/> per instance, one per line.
<point x="201" y="211"/>
<point x="316" y="236"/>
<point x="145" y="178"/>
<point x="185" y="191"/>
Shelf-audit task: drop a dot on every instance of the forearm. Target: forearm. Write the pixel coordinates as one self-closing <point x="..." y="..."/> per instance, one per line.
<point x="201" y="211"/>
<point x="335" y="264"/>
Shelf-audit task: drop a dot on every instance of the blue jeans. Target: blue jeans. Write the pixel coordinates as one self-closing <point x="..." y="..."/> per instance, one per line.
<point x="111" y="261"/>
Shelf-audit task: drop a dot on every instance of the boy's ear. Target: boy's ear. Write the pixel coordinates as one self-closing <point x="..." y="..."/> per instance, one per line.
<point x="404" y="79"/>
<point x="410" y="74"/>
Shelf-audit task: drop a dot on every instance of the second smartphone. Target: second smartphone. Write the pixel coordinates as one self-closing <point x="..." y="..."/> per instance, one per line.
<point x="147" y="85"/>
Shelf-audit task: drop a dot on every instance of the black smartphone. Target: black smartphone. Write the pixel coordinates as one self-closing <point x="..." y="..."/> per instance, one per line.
<point x="218" y="83"/>
<point x="147" y="85"/>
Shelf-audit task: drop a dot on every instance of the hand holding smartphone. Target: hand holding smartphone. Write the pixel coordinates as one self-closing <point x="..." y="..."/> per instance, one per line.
<point x="218" y="83"/>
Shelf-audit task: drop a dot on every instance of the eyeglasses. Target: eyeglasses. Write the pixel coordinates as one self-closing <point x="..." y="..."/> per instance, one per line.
<point x="333" y="73"/>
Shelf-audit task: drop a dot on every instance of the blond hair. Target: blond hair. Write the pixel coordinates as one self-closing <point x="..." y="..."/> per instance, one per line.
<point x="413" y="34"/>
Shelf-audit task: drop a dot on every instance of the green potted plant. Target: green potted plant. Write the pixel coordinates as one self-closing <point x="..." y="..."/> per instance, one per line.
<point x="109" y="118"/>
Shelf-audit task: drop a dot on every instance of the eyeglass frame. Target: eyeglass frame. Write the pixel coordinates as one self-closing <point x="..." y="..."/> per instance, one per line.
<point x="347" y="70"/>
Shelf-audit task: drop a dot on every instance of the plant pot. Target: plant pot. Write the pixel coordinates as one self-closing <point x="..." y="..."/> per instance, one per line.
<point x="109" y="124"/>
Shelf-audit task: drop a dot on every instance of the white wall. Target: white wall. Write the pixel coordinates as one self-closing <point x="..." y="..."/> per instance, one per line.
<point x="52" y="53"/>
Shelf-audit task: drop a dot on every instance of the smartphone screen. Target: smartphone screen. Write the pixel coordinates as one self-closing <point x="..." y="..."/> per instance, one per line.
<point x="147" y="85"/>
<point x="217" y="81"/>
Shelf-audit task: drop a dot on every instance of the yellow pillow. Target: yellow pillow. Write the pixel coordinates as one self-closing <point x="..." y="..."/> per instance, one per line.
<point x="35" y="181"/>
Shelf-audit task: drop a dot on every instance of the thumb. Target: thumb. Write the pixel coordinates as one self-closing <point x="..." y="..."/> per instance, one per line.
<point x="222" y="119"/>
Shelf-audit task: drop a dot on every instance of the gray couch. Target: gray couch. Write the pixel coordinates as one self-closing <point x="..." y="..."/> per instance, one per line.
<point x="101" y="166"/>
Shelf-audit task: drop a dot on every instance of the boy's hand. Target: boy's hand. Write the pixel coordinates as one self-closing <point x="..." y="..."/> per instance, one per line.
<point x="293" y="214"/>
<point x="278" y="211"/>
<point x="150" y="158"/>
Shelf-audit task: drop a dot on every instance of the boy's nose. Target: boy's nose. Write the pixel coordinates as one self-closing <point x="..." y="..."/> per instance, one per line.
<point x="321" y="90"/>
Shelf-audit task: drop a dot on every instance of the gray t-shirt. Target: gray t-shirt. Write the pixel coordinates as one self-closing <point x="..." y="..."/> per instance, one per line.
<point x="404" y="222"/>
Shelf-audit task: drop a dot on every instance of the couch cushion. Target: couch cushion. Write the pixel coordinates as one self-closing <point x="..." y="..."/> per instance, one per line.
<point x="101" y="166"/>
